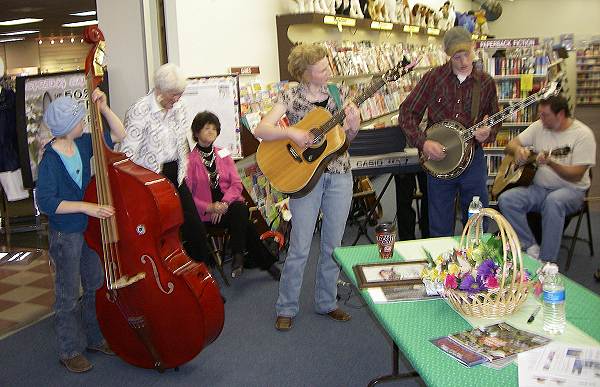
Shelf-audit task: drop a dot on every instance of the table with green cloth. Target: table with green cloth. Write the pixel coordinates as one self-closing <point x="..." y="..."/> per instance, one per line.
<point x="412" y="324"/>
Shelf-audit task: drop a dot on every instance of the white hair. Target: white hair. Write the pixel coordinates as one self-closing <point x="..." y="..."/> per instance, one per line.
<point x="169" y="78"/>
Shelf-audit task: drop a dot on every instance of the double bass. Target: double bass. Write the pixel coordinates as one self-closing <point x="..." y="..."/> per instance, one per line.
<point x="157" y="308"/>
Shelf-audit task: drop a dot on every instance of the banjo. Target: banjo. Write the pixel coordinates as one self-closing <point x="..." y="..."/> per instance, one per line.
<point x="457" y="141"/>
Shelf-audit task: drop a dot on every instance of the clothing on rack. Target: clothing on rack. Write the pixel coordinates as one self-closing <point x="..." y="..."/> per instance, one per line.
<point x="9" y="156"/>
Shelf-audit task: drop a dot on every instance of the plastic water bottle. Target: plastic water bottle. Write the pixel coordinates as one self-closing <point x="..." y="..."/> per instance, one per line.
<point x="553" y="301"/>
<point x="475" y="208"/>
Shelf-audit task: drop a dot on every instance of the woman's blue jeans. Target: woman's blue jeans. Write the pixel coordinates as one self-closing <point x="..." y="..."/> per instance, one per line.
<point x="332" y="195"/>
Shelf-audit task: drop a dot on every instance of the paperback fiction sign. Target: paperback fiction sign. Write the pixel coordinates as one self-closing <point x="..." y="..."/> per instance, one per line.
<point x="508" y="43"/>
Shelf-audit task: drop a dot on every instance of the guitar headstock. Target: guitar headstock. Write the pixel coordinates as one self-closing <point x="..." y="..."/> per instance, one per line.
<point x="95" y="62"/>
<point x="400" y="70"/>
<point x="550" y="90"/>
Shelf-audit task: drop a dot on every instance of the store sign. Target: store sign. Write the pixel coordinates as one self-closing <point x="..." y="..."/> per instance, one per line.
<point x="508" y="43"/>
<point x="245" y="70"/>
<point x="378" y="25"/>
<point x="339" y="21"/>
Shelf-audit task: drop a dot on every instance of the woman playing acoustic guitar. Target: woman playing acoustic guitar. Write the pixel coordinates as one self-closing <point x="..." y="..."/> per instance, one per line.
<point x="331" y="195"/>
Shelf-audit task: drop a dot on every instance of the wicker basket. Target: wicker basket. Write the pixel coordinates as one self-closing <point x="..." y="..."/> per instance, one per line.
<point x="505" y="299"/>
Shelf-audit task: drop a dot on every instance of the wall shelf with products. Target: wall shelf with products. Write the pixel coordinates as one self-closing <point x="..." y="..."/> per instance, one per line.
<point x="588" y="75"/>
<point x="357" y="53"/>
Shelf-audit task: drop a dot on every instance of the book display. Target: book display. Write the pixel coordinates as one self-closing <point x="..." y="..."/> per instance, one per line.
<point x="355" y="63"/>
<point x="358" y="50"/>
<point x="588" y="75"/>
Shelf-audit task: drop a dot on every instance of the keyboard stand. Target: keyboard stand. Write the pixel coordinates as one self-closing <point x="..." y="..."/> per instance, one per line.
<point x="363" y="227"/>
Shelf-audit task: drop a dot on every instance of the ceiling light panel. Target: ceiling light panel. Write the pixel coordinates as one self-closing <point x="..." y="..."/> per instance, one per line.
<point x="80" y="24"/>
<point x="16" y="22"/>
<point x="86" y="13"/>
<point x="20" y="33"/>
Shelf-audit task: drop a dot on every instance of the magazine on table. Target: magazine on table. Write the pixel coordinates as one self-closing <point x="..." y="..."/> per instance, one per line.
<point x="560" y="364"/>
<point x="497" y="344"/>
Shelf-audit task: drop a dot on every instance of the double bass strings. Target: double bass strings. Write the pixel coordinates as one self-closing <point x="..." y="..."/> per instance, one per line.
<point x="107" y="226"/>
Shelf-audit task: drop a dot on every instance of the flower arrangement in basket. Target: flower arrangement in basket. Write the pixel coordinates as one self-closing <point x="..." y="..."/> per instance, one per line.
<point x="481" y="278"/>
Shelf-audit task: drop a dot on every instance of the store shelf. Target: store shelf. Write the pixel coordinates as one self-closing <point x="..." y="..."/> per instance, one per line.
<point x="284" y="22"/>
<point x="588" y="71"/>
<point x="338" y="78"/>
<point x="378" y="118"/>
<point x="493" y="150"/>
<point x="516" y="124"/>
<point x="509" y="100"/>
<point x="517" y="76"/>
<point x="588" y="57"/>
<point x="588" y="87"/>
<point x="587" y="95"/>
<point x="555" y="63"/>
<point x="588" y="103"/>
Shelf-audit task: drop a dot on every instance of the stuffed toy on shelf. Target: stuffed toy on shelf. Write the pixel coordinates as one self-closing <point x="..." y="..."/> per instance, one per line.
<point x="447" y="16"/>
<point x="403" y="12"/>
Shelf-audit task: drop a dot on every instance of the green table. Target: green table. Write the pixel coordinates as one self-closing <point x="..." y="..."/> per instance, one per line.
<point x="412" y="324"/>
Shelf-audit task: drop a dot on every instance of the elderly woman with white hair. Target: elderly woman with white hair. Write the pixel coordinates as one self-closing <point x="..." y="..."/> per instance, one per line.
<point x="157" y="127"/>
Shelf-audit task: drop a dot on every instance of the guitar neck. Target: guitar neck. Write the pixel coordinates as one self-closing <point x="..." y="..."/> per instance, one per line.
<point x="501" y="115"/>
<point x="339" y="116"/>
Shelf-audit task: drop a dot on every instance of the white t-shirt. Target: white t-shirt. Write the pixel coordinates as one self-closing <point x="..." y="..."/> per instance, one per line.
<point x="578" y="137"/>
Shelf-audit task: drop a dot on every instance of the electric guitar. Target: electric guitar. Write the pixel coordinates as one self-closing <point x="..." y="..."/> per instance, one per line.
<point x="294" y="170"/>
<point x="511" y="174"/>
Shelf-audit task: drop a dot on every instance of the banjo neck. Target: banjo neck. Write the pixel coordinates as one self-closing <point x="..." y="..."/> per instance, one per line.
<point x="500" y="116"/>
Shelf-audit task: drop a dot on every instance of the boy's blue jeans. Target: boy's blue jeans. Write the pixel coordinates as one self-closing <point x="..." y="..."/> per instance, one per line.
<point x="75" y="263"/>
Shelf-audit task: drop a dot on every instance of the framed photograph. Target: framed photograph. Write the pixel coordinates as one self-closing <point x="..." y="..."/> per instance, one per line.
<point x="389" y="274"/>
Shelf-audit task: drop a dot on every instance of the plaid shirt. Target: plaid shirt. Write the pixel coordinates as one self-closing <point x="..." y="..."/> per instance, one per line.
<point x="445" y="98"/>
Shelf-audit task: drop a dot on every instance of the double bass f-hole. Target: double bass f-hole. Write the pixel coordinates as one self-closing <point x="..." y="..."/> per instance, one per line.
<point x="156" y="276"/>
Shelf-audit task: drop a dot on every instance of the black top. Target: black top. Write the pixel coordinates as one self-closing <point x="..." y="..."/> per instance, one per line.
<point x="208" y="157"/>
<point x="322" y="104"/>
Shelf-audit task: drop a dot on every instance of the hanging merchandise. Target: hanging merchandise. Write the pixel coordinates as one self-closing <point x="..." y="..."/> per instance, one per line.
<point x="9" y="157"/>
<point x="12" y="184"/>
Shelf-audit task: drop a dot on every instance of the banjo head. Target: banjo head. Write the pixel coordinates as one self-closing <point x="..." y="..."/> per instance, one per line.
<point x="447" y="133"/>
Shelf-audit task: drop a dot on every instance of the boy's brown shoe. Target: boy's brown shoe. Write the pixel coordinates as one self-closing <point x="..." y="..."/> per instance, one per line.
<point x="77" y="364"/>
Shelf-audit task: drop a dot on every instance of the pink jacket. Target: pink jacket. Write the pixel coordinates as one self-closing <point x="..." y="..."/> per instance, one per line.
<point x="199" y="184"/>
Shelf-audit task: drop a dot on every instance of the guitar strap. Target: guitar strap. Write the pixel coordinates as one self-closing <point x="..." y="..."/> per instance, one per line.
<point x="335" y="93"/>
<point x="475" y="99"/>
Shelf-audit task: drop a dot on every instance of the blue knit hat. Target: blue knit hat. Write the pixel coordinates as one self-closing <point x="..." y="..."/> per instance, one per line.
<point x="62" y="115"/>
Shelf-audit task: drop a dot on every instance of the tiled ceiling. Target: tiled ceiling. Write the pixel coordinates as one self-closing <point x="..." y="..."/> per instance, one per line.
<point x="54" y="12"/>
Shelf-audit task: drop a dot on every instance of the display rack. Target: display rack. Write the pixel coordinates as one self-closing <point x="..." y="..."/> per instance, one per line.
<point x="360" y="49"/>
<point x="588" y="75"/>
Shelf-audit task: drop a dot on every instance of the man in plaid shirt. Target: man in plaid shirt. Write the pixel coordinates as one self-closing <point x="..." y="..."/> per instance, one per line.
<point x="446" y="93"/>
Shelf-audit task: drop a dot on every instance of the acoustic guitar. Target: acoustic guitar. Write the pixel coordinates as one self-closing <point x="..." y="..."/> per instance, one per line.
<point x="458" y="141"/>
<point x="511" y="174"/>
<point x="294" y="170"/>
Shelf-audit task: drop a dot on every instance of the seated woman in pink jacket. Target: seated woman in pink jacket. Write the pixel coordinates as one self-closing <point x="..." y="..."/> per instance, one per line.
<point x="216" y="189"/>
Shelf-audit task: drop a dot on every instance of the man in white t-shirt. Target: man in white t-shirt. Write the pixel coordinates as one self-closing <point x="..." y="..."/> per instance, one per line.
<point x="560" y="182"/>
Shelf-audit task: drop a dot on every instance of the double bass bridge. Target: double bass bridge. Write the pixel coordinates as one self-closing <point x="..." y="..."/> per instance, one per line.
<point x="125" y="281"/>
